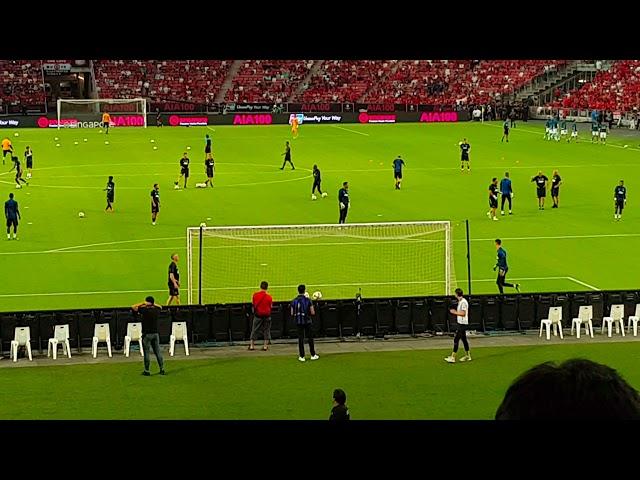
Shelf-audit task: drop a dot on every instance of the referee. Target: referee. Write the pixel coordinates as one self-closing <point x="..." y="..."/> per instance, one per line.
<point x="343" y="201"/>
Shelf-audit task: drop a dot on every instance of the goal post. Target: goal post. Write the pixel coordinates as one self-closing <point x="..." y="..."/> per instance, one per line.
<point x="130" y="107"/>
<point x="389" y="259"/>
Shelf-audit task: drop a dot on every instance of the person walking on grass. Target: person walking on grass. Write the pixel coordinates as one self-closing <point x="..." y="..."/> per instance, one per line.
<point x="150" y="337"/>
<point x="462" y="320"/>
<point x="261" y="302"/>
<point x="301" y="311"/>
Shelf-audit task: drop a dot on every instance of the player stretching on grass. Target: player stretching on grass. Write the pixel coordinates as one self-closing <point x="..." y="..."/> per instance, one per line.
<point x="18" y="167"/>
<point x="462" y="320"/>
<point x="502" y="267"/>
<point x="287" y="157"/>
<point x="111" y="192"/>
<point x="7" y="148"/>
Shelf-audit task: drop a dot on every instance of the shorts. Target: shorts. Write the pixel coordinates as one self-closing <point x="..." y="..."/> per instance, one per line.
<point x="397" y="175"/>
<point x="207" y="149"/>
<point x="209" y="172"/>
<point x="547" y="130"/>
<point x="29" y="163"/>
<point x="506" y="132"/>
<point x="5" y="152"/>
<point x="594" y="134"/>
<point x="12" y="222"/>
<point x="465" y="158"/>
<point x="493" y="202"/>
<point x="185" y="172"/>
<point x="603" y="135"/>
<point x="155" y="208"/>
<point x="554" y="131"/>
<point x="555" y="191"/>
<point x="173" y="291"/>
<point x="563" y="132"/>
<point x="619" y="205"/>
<point x="542" y="192"/>
<point x="574" y="134"/>
<point x="105" y="124"/>
<point x="110" y="198"/>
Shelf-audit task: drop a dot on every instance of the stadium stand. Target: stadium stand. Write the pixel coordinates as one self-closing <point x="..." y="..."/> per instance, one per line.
<point x="615" y="89"/>
<point x="21" y="82"/>
<point x="267" y="81"/>
<point x="191" y="80"/>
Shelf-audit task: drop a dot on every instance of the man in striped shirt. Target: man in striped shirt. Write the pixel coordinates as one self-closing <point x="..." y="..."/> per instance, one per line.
<point x="301" y="311"/>
<point x="462" y="316"/>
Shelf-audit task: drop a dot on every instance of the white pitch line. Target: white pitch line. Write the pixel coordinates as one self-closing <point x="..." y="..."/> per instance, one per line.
<point x="556" y="237"/>
<point x="349" y="130"/>
<point x="112" y="243"/>
<point x="583" y="283"/>
<point x="212" y="129"/>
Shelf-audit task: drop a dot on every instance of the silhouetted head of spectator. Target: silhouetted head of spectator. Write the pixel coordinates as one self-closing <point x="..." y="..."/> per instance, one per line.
<point x="577" y="389"/>
<point x="339" y="396"/>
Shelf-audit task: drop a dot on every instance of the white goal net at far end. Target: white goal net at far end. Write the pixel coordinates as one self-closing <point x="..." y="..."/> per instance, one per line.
<point x="227" y="264"/>
<point x="123" y="111"/>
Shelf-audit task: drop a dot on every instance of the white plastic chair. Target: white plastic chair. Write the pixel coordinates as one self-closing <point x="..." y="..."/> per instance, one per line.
<point x="178" y="332"/>
<point x="634" y="319"/>
<point x="101" y="333"/>
<point x="554" y="320"/>
<point x="615" y="316"/>
<point x="60" y="337"/>
<point x="585" y="315"/>
<point x="21" y="337"/>
<point x="134" y="334"/>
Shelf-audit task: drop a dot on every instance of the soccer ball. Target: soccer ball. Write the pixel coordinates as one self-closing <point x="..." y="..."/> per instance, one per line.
<point x="81" y="214"/>
<point x="317" y="295"/>
<point x="18" y="186"/>
<point x="153" y="141"/>
<point x="16" y="134"/>
<point x="306" y="294"/>
<point x="56" y="139"/>
<point x="176" y="187"/>
<point x="324" y="194"/>
<point x="188" y="148"/>
<point x="85" y="139"/>
<point x="155" y="148"/>
<point x="203" y="224"/>
<point x="106" y="142"/>
<point x="75" y="143"/>
<point x="313" y="197"/>
<point x="57" y="144"/>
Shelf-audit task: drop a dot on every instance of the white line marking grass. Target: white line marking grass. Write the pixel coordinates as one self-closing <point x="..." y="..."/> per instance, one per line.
<point x="350" y="130"/>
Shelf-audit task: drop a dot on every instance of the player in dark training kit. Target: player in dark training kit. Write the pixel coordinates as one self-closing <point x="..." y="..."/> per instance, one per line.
<point x="493" y="199"/>
<point x="12" y="214"/>
<point x="556" y="181"/>
<point x="506" y="190"/>
<point x="505" y="130"/>
<point x="18" y="167"/>
<point x="184" y="170"/>
<point x="317" y="179"/>
<point x="398" y="163"/>
<point x="174" y="280"/>
<point x="541" y="184"/>
<point x="111" y="193"/>
<point x="155" y="203"/>
<point x="287" y="156"/>
<point x="207" y="146"/>
<point x="209" y="164"/>
<point x="28" y="158"/>
<point x="620" y="197"/>
<point x="343" y="201"/>
<point x="502" y="267"/>
<point x="464" y="154"/>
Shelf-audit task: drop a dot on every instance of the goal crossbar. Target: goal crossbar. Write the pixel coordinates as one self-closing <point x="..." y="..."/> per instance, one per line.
<point x="141" y="102"/>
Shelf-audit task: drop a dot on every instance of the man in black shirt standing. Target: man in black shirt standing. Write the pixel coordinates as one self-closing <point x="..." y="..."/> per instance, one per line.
<point x="340" y="411"/>
<point x="111" y="192"/>
<point x="619" y="195"/>
<point x="464" y="154"/>
<point x="155" y="203"/>
<point x="174" y="280"/>
<point x="317" y="180"/>
<point x="556" y="181"/>
<point x="150" y="337"/>
<point x="209" y="165"/>
<point x="343" y="201"/>
<point x="184" y="171"/>
<point x="541" y="184"/>
<point x="12" y="214"/>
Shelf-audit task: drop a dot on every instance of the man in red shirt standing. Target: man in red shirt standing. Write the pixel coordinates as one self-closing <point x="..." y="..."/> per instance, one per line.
<point x="261" y="316"/>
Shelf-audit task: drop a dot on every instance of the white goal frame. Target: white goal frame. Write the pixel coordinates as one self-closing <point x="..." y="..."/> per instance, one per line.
<point x="98" y="101"/>
<point x="191" y="231"/>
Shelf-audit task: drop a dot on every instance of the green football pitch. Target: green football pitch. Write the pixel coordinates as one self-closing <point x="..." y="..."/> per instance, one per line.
<point x="400" y="385"/>
<point x="115" y="259"/>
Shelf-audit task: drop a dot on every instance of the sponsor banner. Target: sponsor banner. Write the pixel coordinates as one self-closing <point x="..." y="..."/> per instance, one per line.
<point x="10" y="122"/>
<point x="254" y="119"/>
<point x="170" y="106"/>
<point x="365" y="117"/>
<point x="316" y="118"/>
<point x="184" y="121"/>
<point x="432" y="117"/>
<point x="250" y="107"/>
<point x="89" y="121"/>
<point x="315" y="107"/>
<point x="376" y="107"/>
<point x="56" y="68"/>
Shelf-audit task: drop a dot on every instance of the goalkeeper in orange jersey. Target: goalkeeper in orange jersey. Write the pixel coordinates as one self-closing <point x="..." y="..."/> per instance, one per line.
<point x="106" y="121"/>
<point x="294" y="126"/>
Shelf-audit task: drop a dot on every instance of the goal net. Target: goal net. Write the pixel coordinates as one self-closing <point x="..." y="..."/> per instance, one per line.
<point x="129" y="111"/>
<point x="227" y="264"/>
